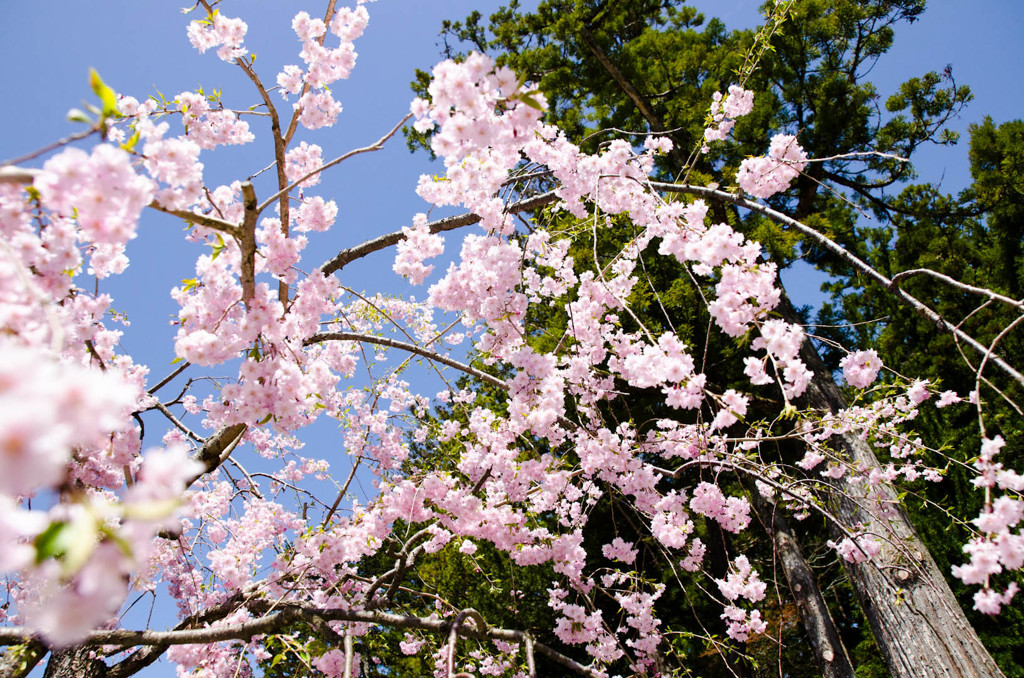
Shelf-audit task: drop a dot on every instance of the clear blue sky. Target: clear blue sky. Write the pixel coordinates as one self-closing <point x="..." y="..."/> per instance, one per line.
<point x="138" y="45"/>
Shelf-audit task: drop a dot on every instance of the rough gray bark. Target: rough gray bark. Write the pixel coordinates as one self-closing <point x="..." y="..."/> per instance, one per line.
<point x="918" y="625"/>
<point x="829" y="651"/>
<point x="75" y="662"/>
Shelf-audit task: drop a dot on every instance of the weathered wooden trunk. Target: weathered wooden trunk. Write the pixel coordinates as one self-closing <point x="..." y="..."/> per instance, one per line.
<point x="829" y="651"/>
<point x="75" y="662"/>
<point x="917" y="622"/>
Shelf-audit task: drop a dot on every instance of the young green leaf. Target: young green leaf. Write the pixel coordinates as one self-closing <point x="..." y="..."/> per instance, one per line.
<point x="107" y="96"/>
<point x="78" y="115"/>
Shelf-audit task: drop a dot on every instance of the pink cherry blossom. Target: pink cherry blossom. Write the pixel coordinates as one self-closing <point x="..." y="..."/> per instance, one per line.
<point x="764" y="177"/>
<point x="860" y="368"/>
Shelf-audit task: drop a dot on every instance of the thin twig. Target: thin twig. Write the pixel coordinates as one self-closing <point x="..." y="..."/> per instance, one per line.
<point x="166" y="380"/>
<point x="77" y="136"/>
<point x="344" y="257"/>
<point x="174" y="420"/>
<point x="375" y="146"/>
<point x="411" y="348"/>
<point x="829" y="244"/>
<point x="953" y="282"/>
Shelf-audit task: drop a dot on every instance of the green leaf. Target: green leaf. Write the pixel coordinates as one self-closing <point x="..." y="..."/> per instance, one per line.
<point x="71" y="543"/>
<point x="52" y="542"/>
<point x="130" y="144"/>
<point x="78" y="115"/>
<point x="530" y="101"/>
<point x="218" y="247"/>
<point x="177" y="360"/>
<point x="107" y="96"/>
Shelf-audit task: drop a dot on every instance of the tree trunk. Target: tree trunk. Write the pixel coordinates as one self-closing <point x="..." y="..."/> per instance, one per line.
<point x="75" y="662"/>
<point x="829" y="651"/>
<point x="917" y="622"/>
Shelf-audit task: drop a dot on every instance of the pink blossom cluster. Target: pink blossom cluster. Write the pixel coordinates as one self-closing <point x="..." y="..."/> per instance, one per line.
<point x="316" y="105"/>
<point x="208" y="127"/>
<point x="640" y="620"/>
<point x="725" y="110"/>
<point x="732" y="513"/>
<point x="218" y="660"/>
<point x="766" y="176"/>
<point x="173" y="161"/>
<point x="482" y="128"/>
<point x="302" y="160"/>
<point x="746" y="290"/>
<point x="332" y="663"/>
<point x="575" y="624"/>
<point x="49" y="408"/>
<point x="999" y="547"/>
<point x="860" y="368"/>
<point x="100" y="190"/>
<point x="504" y="664"/>
<point x="554" y="272"/>
<point x="484" y="285"/>
<point x="66" y="594"/>
<point x="261" y="526"/>
<point x="419" y="244"/>
<point x="742" y="582"/>
<point x="619" y="549"/>
<point x="858" y="549"/>
<point x="218" y="30"/>
<point x="279" y="252"/>
<point x="411" y="645"/>
<point x="782" y="342"/>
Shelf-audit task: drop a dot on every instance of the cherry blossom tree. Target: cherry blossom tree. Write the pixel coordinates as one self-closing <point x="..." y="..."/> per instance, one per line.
<point x="251" y="539"/>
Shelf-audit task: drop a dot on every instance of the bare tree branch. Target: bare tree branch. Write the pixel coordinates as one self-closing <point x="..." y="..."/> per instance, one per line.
<point x="837" y="249"/>
<point x="952" y="282"/>
<point x="447" y="224"/>
<point x="206" y="220"/>
<point x="71" y="138"/>
<point x="280" y="150"/>
<point x="411" y="348"/>
<point x="18" y="175"/>
<point x="276" y="617"/>
<point x="217" y="447"/>
<point x="375" y="146"/>
<point x="247" y="242"/>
